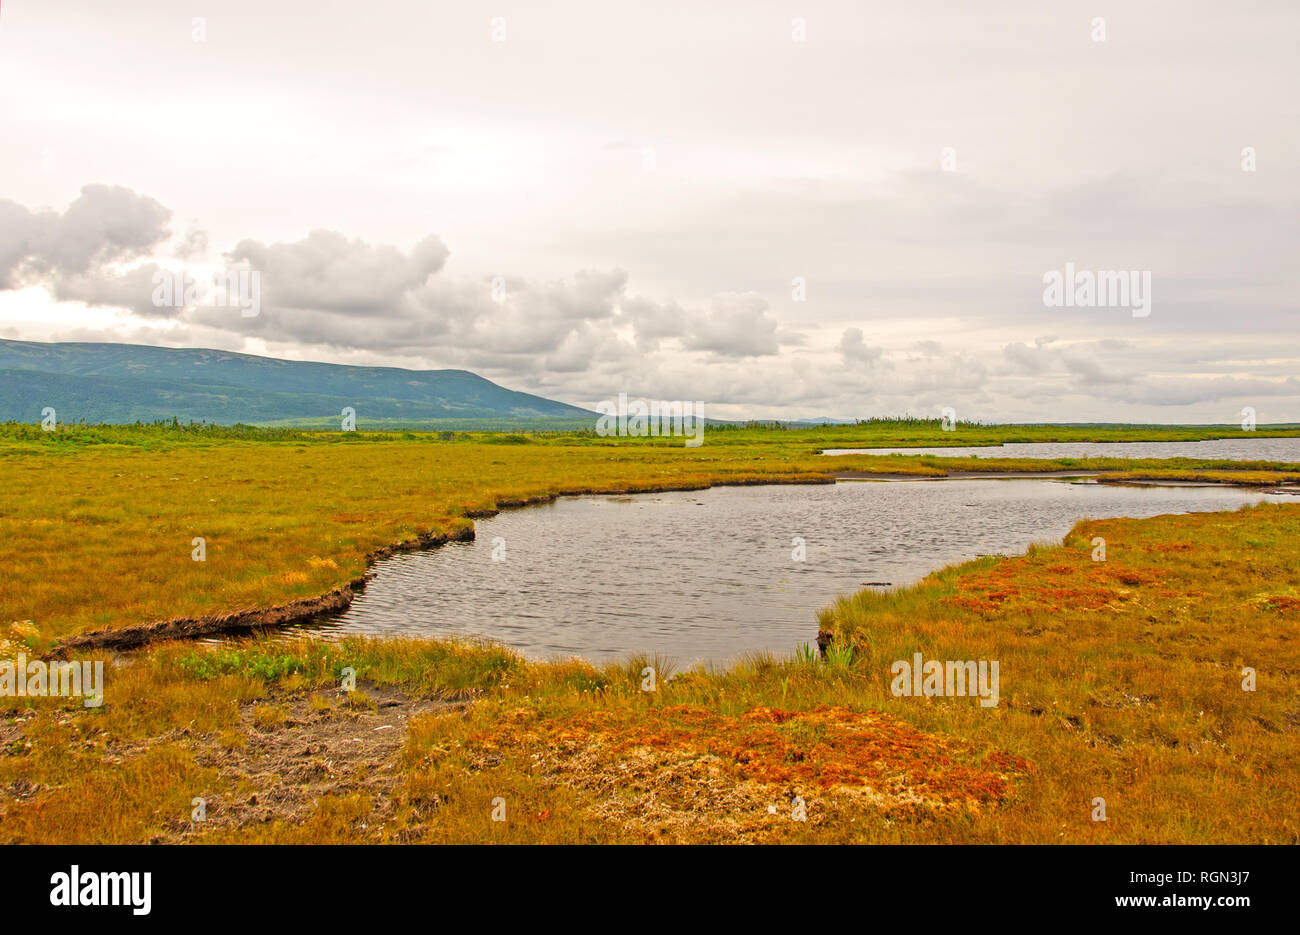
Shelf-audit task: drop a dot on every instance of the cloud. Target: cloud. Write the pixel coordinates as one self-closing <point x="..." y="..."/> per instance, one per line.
<point x="1090" y="371"/>
<point x="21" y="233"/>
<point x="1025" y="359"/>
<point x="194" y="243"/>
<point x="131" y="289"/>
<point x="737" y="325"/>
<point x="1185" y="391"/>
<point x="1088" y="363"/>
<point x="652" y="321"/>
<point x="107" y="224"/>
<point x="329" y="291"/>
<point x="327" y="272"/>
<point x="581" y="338"/>
<point x="592" y="295"/>
<point x="855" y="351"/>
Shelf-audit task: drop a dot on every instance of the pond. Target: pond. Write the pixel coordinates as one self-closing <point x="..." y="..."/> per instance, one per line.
<point x="711" y="575"/>
<point x="1227" y="449"/>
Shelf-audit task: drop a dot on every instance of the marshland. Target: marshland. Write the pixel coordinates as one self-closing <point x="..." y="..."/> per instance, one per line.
<point x="1159" y="678"/>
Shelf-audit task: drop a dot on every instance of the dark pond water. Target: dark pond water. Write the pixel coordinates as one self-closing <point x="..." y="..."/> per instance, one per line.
<point x="710" y="575"/>
<point x="1229" y="449"/>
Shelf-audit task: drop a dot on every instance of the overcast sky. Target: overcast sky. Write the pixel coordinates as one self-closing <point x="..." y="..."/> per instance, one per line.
<point x="648" y="180"/>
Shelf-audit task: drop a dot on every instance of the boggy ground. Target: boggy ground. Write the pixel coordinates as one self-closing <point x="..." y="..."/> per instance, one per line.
<point x="577" y="754"/>
<point x="1121" y="680"/>
<point x="100" y="526"/>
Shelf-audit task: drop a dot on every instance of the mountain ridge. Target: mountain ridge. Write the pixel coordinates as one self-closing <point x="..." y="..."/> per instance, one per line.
<point x="109" y="382"/>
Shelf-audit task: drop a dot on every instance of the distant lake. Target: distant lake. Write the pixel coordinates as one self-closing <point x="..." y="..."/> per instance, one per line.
<point x="708" y="575"/>
<point x="1228" y="449"/>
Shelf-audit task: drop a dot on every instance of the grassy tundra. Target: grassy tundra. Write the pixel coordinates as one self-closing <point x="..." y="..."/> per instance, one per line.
<point x="1121" y="680"/>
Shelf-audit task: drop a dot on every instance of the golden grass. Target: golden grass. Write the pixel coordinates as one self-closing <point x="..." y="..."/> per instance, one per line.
<point x="1132" y="667"/>
<point x="1120" y="680"/>
<point x="1249" y="478"/>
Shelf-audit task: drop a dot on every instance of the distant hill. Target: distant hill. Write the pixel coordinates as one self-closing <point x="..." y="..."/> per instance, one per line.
<point x="131" y="382"/>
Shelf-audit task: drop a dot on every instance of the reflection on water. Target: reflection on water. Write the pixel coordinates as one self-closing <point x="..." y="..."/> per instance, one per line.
<point x="709" y="575"/>
<point x="1228" y="449"/>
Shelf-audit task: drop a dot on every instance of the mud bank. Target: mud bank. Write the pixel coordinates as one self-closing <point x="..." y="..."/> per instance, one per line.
<point x="1280" y="486"/>
<point x="961" y="475"/>
<point x="1116" y="478"/>
<point x="248" y="621"/>
<point x="774" y="481"/>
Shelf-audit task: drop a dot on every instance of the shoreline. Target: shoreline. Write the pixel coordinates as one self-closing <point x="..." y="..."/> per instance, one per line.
<point x="338" y="599"/>
<point x="964" y="475"/>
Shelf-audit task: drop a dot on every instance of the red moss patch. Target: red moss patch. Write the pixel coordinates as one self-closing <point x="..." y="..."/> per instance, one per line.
<point x="828" y="751"/>
<point x="1019" y="584"/>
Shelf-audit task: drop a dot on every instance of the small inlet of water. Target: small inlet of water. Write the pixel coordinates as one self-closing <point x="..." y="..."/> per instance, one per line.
<point x="710" y="575"/>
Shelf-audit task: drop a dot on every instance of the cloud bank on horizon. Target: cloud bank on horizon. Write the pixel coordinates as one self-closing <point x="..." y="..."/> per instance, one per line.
<point x="830" y="210"/>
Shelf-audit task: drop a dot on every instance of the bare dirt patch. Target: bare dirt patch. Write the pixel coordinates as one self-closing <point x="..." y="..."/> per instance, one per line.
<point x="290" y="751"/>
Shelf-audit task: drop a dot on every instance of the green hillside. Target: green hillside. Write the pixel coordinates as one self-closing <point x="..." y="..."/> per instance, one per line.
<point x="128" y="383"/>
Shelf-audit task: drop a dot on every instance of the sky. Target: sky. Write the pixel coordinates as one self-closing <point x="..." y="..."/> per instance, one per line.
<point x="785" y="210"/>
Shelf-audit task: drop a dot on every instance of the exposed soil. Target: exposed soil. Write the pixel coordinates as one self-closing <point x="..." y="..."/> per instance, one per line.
<point x="282" y="769"/>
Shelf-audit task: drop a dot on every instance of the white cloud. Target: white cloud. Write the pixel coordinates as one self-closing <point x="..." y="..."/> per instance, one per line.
<point x="737" y="325"/>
